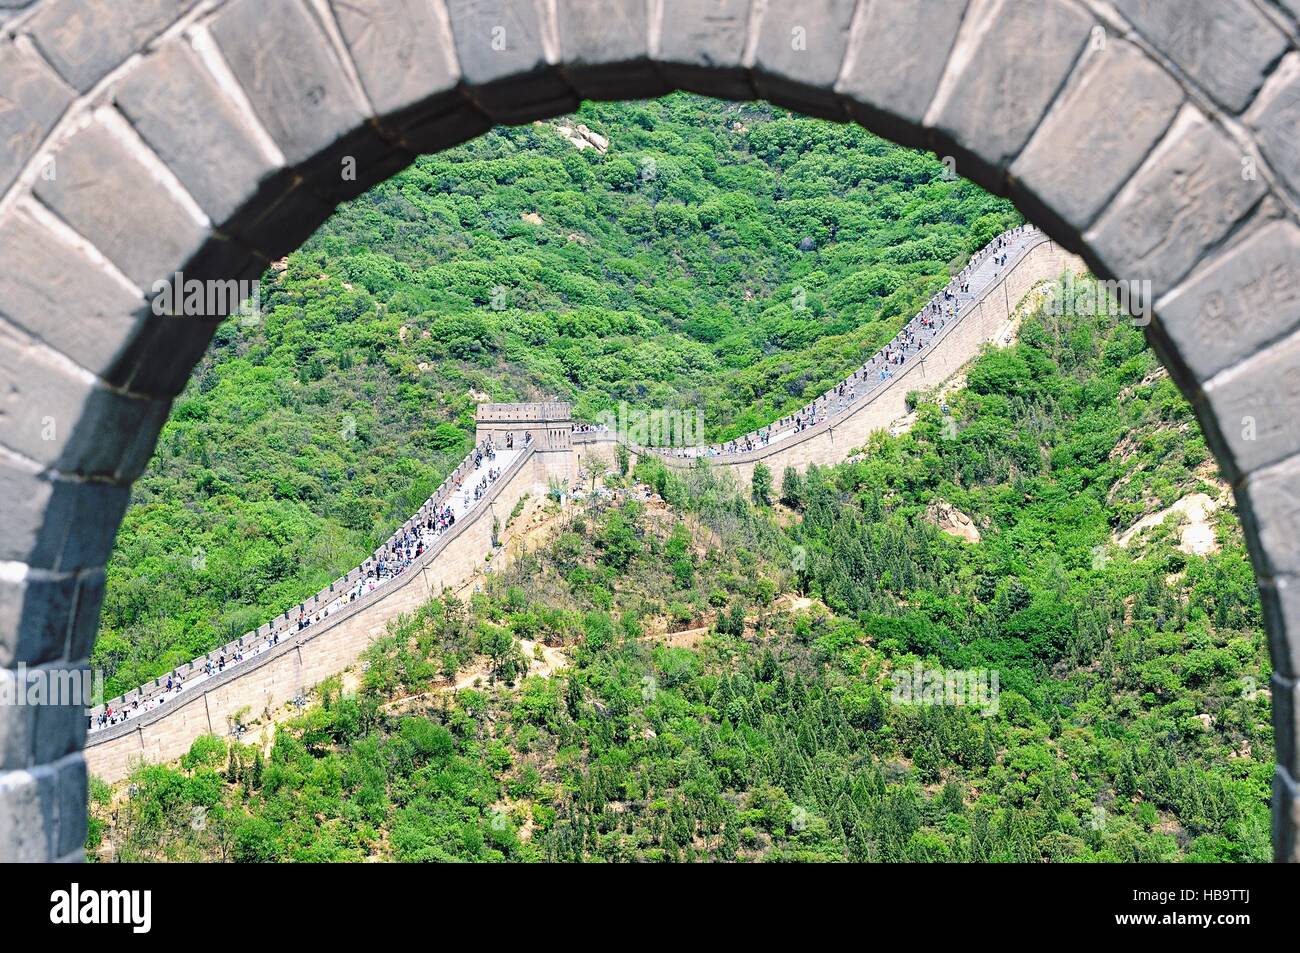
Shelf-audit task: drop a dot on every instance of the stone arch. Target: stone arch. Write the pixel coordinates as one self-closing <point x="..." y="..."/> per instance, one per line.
<point x="161" y="136"/>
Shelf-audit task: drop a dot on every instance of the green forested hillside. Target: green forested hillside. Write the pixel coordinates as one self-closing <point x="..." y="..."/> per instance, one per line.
<point x="707" y="715"/>
<point x="722" y="257"/>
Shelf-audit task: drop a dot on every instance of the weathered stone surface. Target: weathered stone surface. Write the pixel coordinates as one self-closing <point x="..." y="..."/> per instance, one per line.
<point x="498" y="40"/>
<point x="704" y="33"/>
<point x="1286" y="818"/>
<point x="605" y="48"/>
<point x="798" y="54"/>
<point x="85" y="41"/>
<point x="312" y="109"/>
<point x="597" y="32"/>
<point x="1086" y="149"/>
<point x="54" y="292"/>
<point x="25" y="497"/>
<point x="1241" y="300"/>
<point x="1286" y="722"/>
<point x="40" y="729"/>
<point x="73" y="785"/>
<point x="1272" y="503"/>
<point x="85" y="619"/>
<point x="17" y="729"/>
<point x="1279" y="596"/>
<point x="111" y="198"/>
<point x="1275" y="120"/>
<point x="1227" y="46"/>
<point x="32" y="101"/>
<point x="403" y="51"/>
<point x="298" y="89"/>
<point x="1009" y="63"/>
<point x="212" y="149"/>
<point x="63" y="525"/>
<point x="63" y="419"/>
<point x="61" y="723"/>
<point x="896" y="58"/>
<point x="29" y="815"/>
<point x="35" y="618"/>
<point x="1257" y="404"/>
<point x="1183" y="200"/>
<point x="702" y="46"/>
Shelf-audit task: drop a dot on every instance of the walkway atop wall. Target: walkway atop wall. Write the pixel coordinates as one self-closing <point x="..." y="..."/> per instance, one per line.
<point x="948" y="306"/>
<point x="456" y="499"/>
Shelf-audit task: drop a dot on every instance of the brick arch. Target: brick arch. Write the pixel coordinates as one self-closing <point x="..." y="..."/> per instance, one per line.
<point x="142" y="139"/>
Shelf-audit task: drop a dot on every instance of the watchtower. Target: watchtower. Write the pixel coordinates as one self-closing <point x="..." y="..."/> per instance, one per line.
<point x="549" y="422"/>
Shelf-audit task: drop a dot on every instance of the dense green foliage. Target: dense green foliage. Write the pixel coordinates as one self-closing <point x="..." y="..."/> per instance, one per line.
<point x="703" y="717"/>
<point x="723" y="257"/>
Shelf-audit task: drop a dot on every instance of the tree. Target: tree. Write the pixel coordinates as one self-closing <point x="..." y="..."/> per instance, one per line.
<point x="596" y="465"/>
<point x="792" y="488"/>
<point x="618" y="541"/>
<point x="761" y="488"/>
<point x="255" y="842"/>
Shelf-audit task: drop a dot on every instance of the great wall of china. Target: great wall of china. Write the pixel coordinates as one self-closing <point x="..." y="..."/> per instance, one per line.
<point x="302" y="658"/>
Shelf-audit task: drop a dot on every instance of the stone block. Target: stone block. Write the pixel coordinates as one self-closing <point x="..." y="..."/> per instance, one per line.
<point x="63" y="418"/>
<point x="298" y="89"/>
<point x="61" y="722"/>
<point x="798" y="53"/>
<point x="25" y="498"/>
<point x="162" y="356"/>
<point x="63" y="525"/>
<point x="702" y="46"/>
<point x="1183" y="200"/>
<point x="29" y="815"/>
<point x="1256" y="405"/>
<point x="111" y="197"/>
<point x="85" y="619"/>
<point x="86" y="41"/>
<point x="1280" y="600"/>
<point x="402" y="49"/>
<point x="73" y="786"/>
<point x="1275" y="121"/>
<point x="897" y="55"/>
<point x="35" y="617"/>
<point x="502" y="48"/>
<point x="1237" y="303"/>
<point x="1109" y="117"/>
<point x="1009" y="64"/>
<point x="1226" y="46"/>
<point x="55" y="292"/>
<point x="17" y="728"/>
<point x="605" y="49"/>
<point x="33" y="100"/>
<point x="434" y="130"/>
<point x="181" y="113"/>
<point x="281" y="226"/>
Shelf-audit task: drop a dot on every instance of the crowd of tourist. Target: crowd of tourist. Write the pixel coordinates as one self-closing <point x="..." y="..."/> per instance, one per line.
<point x="435" y="518"/>
<point x="944" y="308"/>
